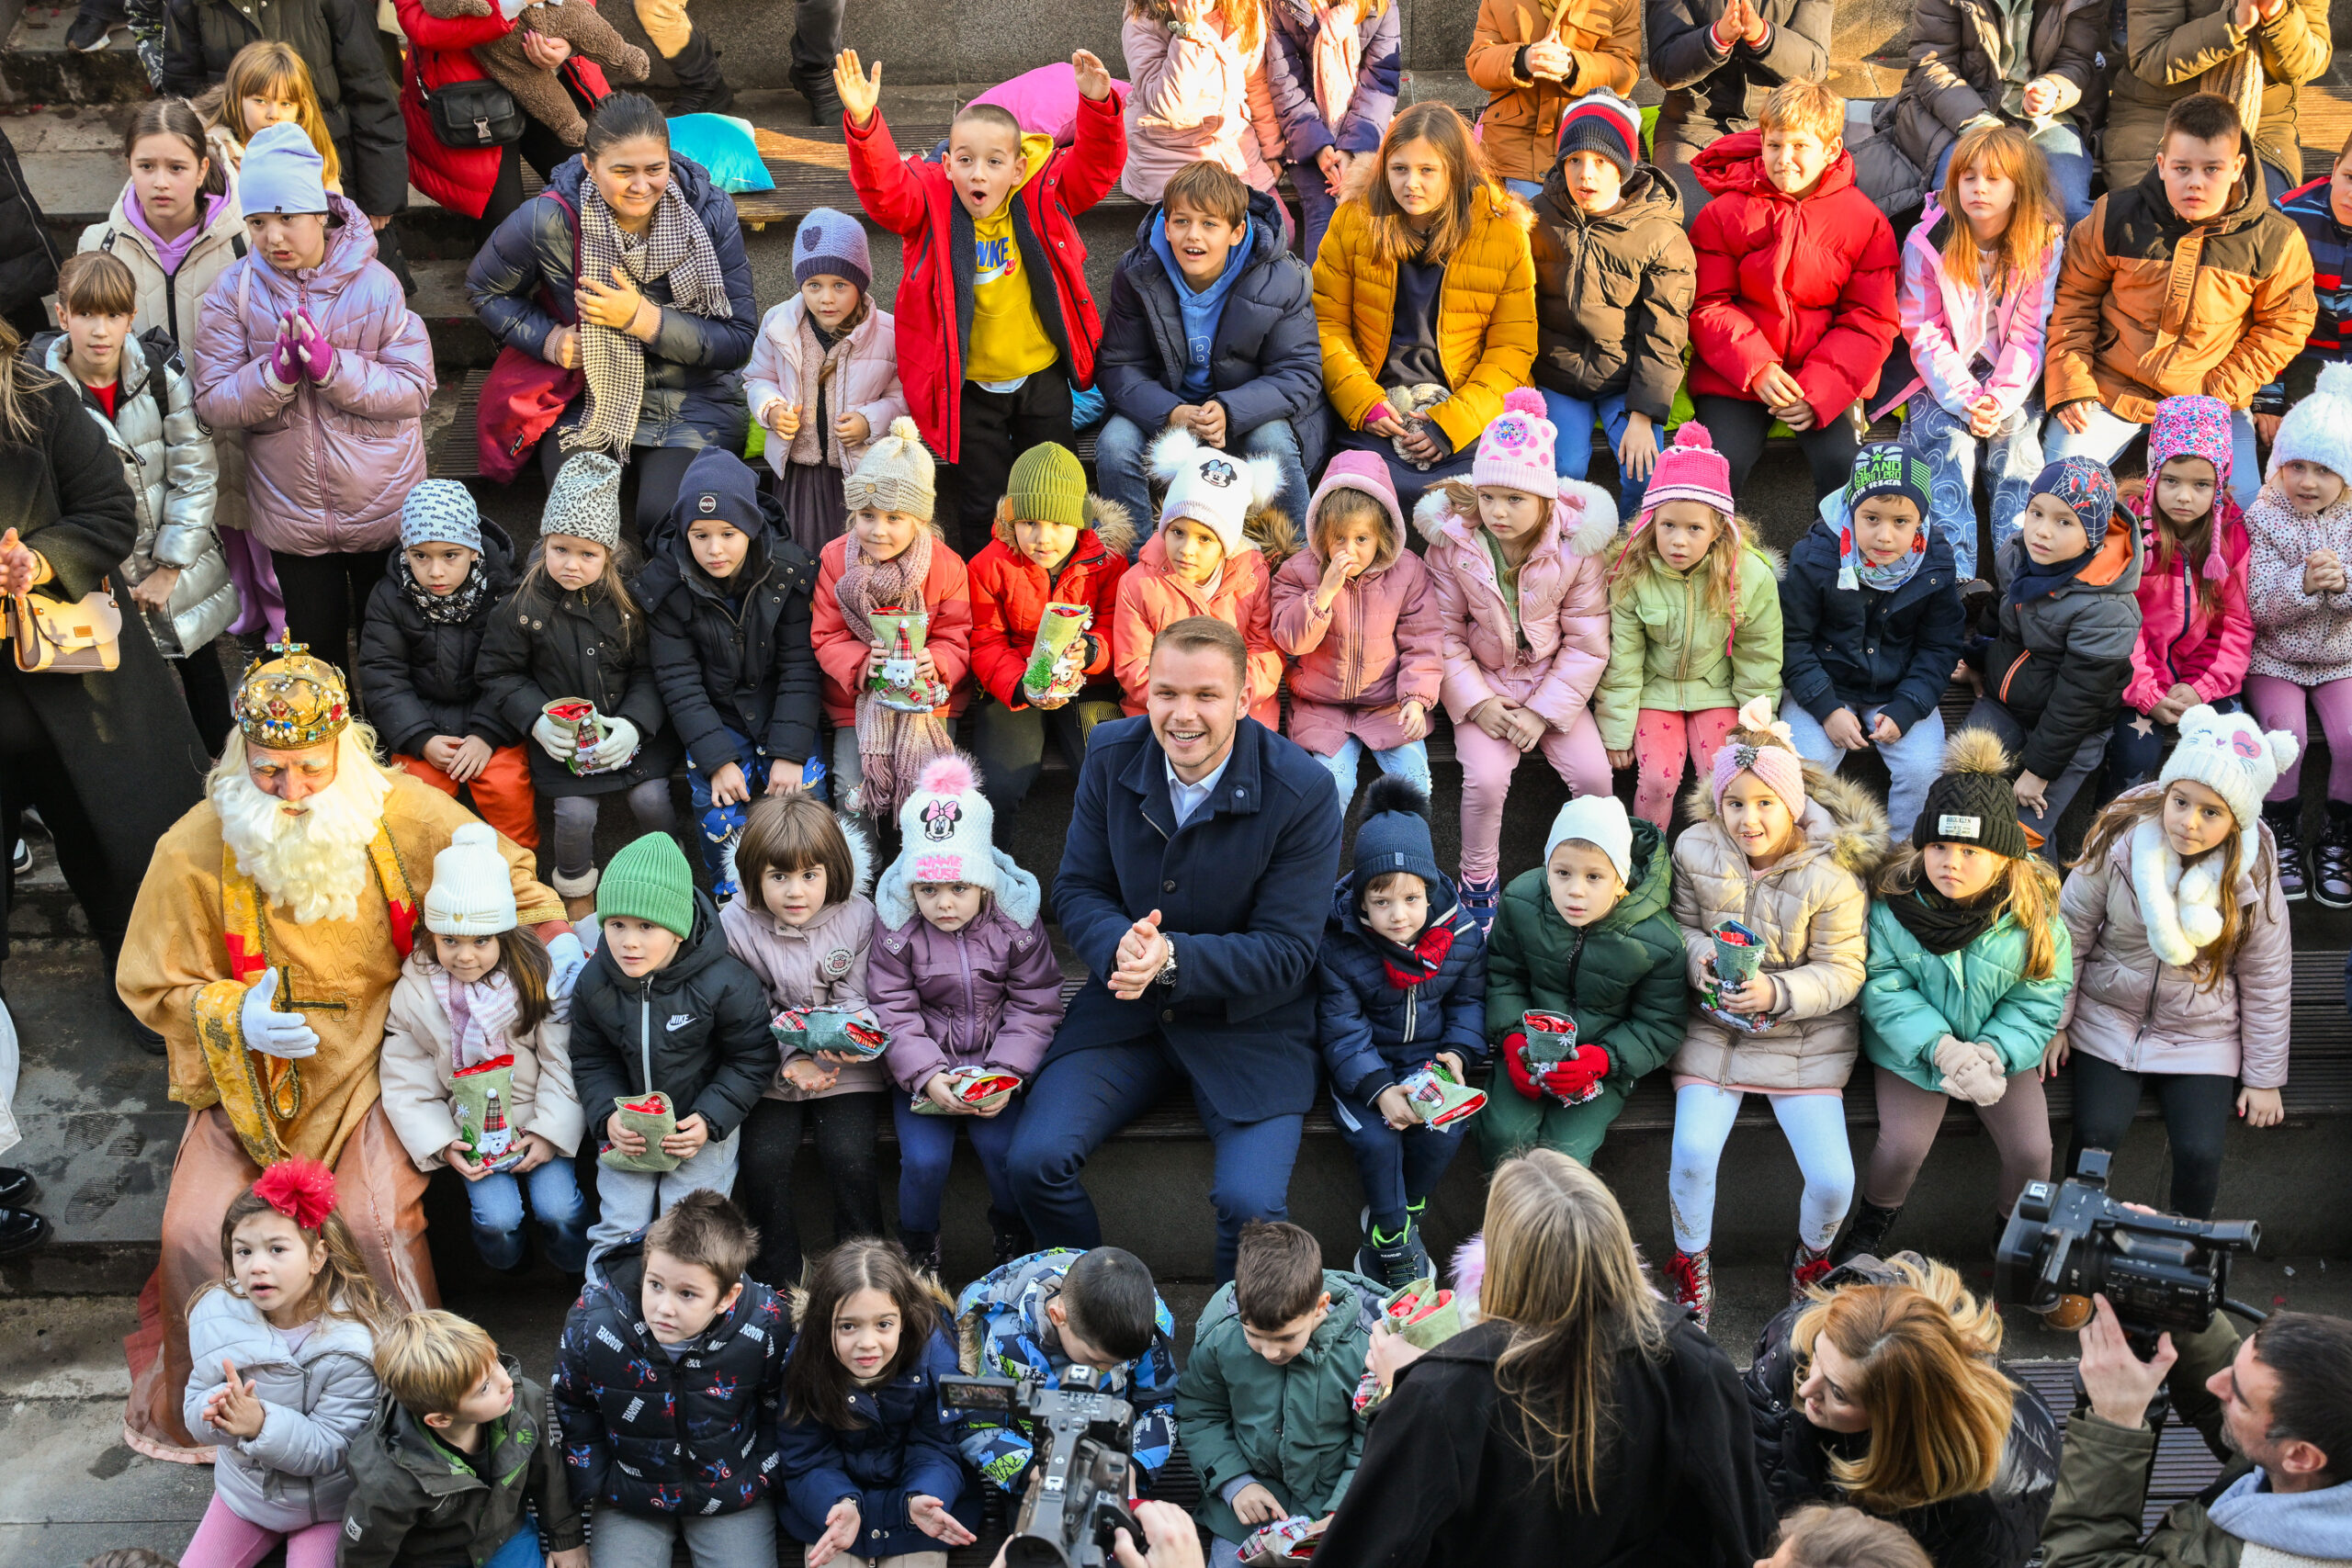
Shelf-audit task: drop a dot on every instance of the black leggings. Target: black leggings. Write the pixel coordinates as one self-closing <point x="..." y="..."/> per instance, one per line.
<point x="205" y="685"/>
<point x="325" y="597"/>
<point x="1739" y="425"/>
<point x="659" y="471"/>
<point x="846" y="1127"/>
<point x="2197" y="1109"/>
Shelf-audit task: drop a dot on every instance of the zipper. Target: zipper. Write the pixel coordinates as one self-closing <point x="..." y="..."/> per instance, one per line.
<point x="1689" y="608"/>
<point x="964" y="959"/>
<point x="1350" y="662"/>
<point x="645" y="1029"/>
<point x="2010" y="674"/>
<point x="1575" y="962"/>
<point x="1412" y="1008"/>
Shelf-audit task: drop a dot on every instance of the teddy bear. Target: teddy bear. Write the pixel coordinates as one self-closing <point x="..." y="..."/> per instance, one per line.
<point x="536" y="91"/>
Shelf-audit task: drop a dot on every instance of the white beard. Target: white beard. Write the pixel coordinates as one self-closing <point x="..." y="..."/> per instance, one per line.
<point x="314" y="864"/>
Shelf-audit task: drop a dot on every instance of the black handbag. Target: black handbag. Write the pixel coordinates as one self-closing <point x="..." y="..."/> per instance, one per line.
<point x="479" y="113"/>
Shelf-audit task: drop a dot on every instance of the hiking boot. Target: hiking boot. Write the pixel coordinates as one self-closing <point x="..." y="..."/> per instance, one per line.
<point x="2285" y="819"/>
<point x="1691" y="1280"/>
<point x="1010" y="1239"/>
<point x="1480" y="899"/>
<point x="1807" y="1269"/>
<point x="1866" y="1232"/>
<point x="824" y="100"/>
<point x="922" y="1250"/>
<point x="701" y="89"/>
<point x="2332" y="882"/>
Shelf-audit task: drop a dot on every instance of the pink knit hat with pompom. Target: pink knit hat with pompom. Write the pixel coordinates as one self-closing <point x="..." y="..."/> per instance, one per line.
<point x="1516" y="451"/>
<point x="1691" y="469"/>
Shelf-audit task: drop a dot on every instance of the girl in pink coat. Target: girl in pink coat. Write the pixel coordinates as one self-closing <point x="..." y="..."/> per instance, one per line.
<point x="1358" y="614"/>
<point x="1523" y="603"/>
<point x="1199" y="93"/>
<point x="307" y="344"/>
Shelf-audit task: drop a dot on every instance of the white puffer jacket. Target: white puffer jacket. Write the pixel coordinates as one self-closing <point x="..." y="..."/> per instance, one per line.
<point x="174" y="474"/>
<point x="415" y="1067"/>
<point x="316" y="1397"/>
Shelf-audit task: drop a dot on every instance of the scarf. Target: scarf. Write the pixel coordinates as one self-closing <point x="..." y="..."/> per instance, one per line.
<point x="815" y="444"/>
<point x="2180" y="906"/>
<point x="1409" y="966"/>
<point x="1936" y="923"/>
<point x="676" y="248"/>
<point x="445" y="609"/>
<point x="1855" y="571"/>
<point x="1339" y="55"/>
<point x="892" y="746"/>
<point x="169" y="254"/>
<point x="2033" y="580"/>
<point x="481" y="1016"/>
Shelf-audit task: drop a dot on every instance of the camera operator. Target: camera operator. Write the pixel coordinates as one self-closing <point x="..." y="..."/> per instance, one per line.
<point x="1885" y="1392"/>
<point x="2279" y="1405"/>
<point x="1581" y="1420"/>
<point x="1169" y="1540"/>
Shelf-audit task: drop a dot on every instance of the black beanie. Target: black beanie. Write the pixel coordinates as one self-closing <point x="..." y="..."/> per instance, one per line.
<point x="1972" y="802"/>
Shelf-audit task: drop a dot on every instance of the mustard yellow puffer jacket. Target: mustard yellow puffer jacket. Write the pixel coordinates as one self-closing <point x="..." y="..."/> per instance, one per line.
<point x="1485" y="324"/>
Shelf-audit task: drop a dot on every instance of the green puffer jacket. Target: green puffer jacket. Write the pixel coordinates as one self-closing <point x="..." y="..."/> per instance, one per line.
<point x="1667" y="651"/>
<point x="1294" y="1428"/>
<point x="1620" y="977"/>
<point x="1912" y="998"/>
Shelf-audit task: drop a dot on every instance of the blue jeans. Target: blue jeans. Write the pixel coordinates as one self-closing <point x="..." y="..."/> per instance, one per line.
<point x="522" y="1548"/>
<point x="1123" y="467"/>
<point x="927" y="1146"/>
<point x="1316" y="205"/>
<point x="1526" y="190"/>
<point x="721" y="826"/>
<point x="1410" y="760"/>
<point x="2109" y="436"/>
<point x="1077" y="1102"/>
<point x="1912" y="762"/>
<point x="2136" y="750"/>
<point x="1398" y="1169"/>
<point x="2070" y="167"/>
<point x="2011" y="458"/>
<point x="1572" y="452"/>
<point x="497" y="1204"/>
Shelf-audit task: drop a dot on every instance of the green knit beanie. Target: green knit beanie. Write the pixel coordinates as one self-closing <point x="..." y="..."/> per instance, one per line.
<point x="1048" y="486"/>
<point x="649" y="880"/>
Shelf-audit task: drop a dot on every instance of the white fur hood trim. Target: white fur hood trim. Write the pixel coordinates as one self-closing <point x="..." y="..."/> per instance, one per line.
<point x="1594" y="531"/>
<point x="1016" y="892"/>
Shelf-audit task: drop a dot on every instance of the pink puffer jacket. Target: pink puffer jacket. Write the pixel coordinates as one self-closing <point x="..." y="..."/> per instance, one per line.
<point x="821" y="965"/>
<point x="862" y="377"/>
<point x="328" y="465"/>
<point x="1202" y="98"/>
<point x="1379" y="645"/>
<point x="1562" y="607"/>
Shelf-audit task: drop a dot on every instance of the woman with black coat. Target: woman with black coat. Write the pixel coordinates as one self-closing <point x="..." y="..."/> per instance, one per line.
<point x="727" y="602"/>
<point x="1584" y="1420"/>
<point x="1969" y="1458"/>
<point x="1717" y="67"/>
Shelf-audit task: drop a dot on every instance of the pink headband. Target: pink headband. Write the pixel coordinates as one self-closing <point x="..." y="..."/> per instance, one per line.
<point x="1778" y="765"/>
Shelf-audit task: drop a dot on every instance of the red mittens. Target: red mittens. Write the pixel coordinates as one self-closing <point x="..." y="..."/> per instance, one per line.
<point x="1571" y="1081"/>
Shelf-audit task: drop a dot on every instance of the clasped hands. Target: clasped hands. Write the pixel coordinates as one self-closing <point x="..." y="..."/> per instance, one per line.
<point x="1143" y="953"/>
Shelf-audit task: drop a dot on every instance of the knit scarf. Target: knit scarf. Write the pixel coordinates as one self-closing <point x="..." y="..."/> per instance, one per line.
<point x="612" y="363"/>
<point x="1409" y="966"/>
<point x="2035" y="580"/>
<point x="1339" y="55"/>
<point x="2180" y="906"/>
<point x="444" y="609"/>
<point x="1939" y="925"/>
<point x="481" y="1016"/>
<point x="892" y="746"/>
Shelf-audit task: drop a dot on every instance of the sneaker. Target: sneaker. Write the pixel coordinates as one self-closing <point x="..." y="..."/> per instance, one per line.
<point x="1395" y="1261"/>
<point x="1010" y="1237"/>
<point x="1480" y="899"/>
<point x="2333" y="872"/>
<point x="20" y="859"/>
<point x="90" y="33"/>
<point x="1691" y="1280"/>
<point x="1807" y="1269"/>
<point x="2286" y="821"/>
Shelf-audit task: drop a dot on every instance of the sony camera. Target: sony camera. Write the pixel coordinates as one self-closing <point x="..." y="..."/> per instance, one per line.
<point x="2070" y="1240"/>
<point x="1084" y="1441"/>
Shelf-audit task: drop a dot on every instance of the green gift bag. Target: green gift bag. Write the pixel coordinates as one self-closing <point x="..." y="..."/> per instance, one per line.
<point x="827" y="1029"/>
<point x="1426" y="1315"/>
<point x="1049" y="672"/>
<point x="653" y="1119"/>
<point x="478" y="1096"/>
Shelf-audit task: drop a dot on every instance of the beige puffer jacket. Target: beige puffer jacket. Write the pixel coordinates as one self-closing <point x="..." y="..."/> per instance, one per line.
<point x="1812" y="908"/>
<point x="414" y="1068"/>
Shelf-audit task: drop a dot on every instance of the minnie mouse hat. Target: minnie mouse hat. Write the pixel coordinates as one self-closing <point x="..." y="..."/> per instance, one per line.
<point x="948" y="827"/>
<point x="1212" y="486"/>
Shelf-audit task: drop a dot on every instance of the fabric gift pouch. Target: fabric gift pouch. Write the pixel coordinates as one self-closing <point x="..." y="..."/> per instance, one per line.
<point x="578" y="717"/>
<point x="1739" y="957"/>
<point x="1437" y="1100"/>
<point x="1050" y="673"/>
<point x="478" y="1096"/>
<point x="653" y="1119"/>
<point x="899" y="684"/>
<point x="981" y="1089"/>
<point x="1426" y="1315"/>
<point x="828" y="1029"/>
<point x="1293" y="1540"/>
<point x="1550" y="1039"/>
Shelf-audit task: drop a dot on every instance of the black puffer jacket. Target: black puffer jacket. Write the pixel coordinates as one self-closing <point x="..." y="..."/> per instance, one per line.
<point x="750" y="669"/>
<point x="700" y="1024"/>
<point x="1997" y="1528"/>
<point x="649" y="1436"/>
<point x="28" y="257"/>
<point x="1711" y="95"/>
<point x="1613" y="294"/>
<point x="544" y="645"/>
<point x="418" y="678"/>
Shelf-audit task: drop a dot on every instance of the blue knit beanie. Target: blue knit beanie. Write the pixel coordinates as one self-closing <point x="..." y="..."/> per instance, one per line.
<point x="440" y="512"/>
<point x="1395" y="835"/>
<point x="282" y="172"/>
<point x="830" y="243"/>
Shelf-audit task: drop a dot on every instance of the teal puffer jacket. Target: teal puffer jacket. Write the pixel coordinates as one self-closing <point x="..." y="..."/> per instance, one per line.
<point x="1912" y="998"/>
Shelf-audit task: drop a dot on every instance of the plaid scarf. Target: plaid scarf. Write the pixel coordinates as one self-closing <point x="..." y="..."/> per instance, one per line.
<point x="454" y="609"/>
<point x="612" y="363"/>
<point x="892" y="746"/>
<point x="481" y="1016"/>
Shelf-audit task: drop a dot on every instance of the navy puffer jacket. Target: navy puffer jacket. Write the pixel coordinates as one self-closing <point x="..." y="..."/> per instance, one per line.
<point x="1863" y="649"/>
<point x="900" y="1448"/>
<point x="1375" y="1032"/>
<point x="748" y="666"/>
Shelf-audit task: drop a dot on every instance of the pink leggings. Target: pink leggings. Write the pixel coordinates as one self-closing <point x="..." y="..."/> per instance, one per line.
<point x="224" y="1540"/>
<point x="1576" y="755"/>
<point x="1661" y="739"/>
<point x="2280" y="704"/>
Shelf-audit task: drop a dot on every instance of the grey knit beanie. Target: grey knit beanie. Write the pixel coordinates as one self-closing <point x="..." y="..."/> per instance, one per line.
<point x="440" y="512"/>
<point x="830" y="243"/>
<point x="585" y="500"/>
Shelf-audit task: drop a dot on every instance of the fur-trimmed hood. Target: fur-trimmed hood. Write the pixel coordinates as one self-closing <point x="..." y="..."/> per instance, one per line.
<point x="1596" y="529"/>
<point x="1108" y="520"/>
<point x="1016" y="896"/>
<point x="1842" y="820"/>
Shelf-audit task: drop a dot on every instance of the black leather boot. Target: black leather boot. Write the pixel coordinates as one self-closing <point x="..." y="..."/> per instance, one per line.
<point x="701" y="89"/>
<point x="1867" y="1231"/>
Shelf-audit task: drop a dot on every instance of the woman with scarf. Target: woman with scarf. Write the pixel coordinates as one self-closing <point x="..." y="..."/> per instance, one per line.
<point x="630" y="269"/>
<point x="1968" y="970"/>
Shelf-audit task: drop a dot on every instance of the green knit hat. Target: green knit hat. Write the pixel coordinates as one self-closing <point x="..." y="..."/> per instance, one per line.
<point x="649" y="880"/>
<point x="1048" y="486"/>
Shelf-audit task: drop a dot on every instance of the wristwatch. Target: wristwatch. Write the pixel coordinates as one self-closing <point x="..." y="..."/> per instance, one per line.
<point x="1167" y="976"/>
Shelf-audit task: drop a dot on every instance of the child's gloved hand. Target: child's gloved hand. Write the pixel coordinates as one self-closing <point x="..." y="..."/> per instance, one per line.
<point x="1514" y="1057"/>
<point x="1575" y="1079"/>
<point x="285" y="362"/>
<point x="566" y="958"/>
<point x="618" y="745"/>
<point x="317" y="354"/>
<point x="553" y="739"/>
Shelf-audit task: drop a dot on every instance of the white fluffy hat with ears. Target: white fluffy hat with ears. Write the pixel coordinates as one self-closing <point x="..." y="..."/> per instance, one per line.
<point x="2232" y="755"/>
<point x="1212" y="486"/>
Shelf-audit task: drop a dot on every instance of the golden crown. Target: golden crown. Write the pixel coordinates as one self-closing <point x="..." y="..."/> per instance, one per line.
<point x="292" y="701"/>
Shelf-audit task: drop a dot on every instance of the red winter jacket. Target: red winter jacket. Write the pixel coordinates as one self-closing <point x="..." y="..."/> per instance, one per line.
<point x="1806" y="283"/>
<point x="2178" y="641"/>
<point x="912" y="199"/>
<point x="1010" y="595"/>
<point x="460" y="178"/>
<point x="841" y="653"/>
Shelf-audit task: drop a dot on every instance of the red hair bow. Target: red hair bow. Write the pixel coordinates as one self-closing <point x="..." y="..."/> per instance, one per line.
<point x="301" y="1189"/>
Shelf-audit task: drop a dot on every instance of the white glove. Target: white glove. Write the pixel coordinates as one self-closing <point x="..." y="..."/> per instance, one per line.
<point x="1971" y="1072"/>
<point x="273" y="1034"/>
<point x="553" y="739"/>
<point x="566" y="959"/>
<point x="619" y="746"/>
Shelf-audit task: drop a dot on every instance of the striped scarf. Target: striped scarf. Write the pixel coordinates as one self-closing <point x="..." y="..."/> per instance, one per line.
<point x="481" y="1016"/>
<point x="676" y="248"/>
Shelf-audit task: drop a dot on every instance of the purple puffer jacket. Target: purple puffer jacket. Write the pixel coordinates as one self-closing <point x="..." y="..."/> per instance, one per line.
<point x="328" y="466"/>
<point x="988" y="994"/>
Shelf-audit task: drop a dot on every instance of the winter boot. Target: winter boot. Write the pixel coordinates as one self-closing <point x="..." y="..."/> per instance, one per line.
<point x="1012" y="1238"/>
<point x="1690" y="1280"/>
<point x="2332" y="881"/>
<point x="1866" y="1232"/>
<point x="1478" y="900"/>
<point x="922" y="1250"/>
<point x="701" y="89"/>
<point x="2285" y="819"/>
<point x="824" y="99"/>
<point x="1807" y="1269"/>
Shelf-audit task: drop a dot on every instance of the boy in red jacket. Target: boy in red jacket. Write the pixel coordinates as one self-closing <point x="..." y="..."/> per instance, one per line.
<point x="994" y="320"/>
<point x="1055" y="544"/>
<point x="1797" y="273"/>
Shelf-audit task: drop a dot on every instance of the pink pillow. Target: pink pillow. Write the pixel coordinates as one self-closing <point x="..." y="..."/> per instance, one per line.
<point x="1045" y="100"/>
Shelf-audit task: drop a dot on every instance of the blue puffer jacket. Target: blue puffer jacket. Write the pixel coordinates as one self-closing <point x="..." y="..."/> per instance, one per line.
<point x="900" y="1448"/>
<point x="1290" y="78"/>
<point x="1863" y="649"/>
<point x="694" y="388"/>
<point x="1267" y="361"/>
<point x="1373" y="1031"/>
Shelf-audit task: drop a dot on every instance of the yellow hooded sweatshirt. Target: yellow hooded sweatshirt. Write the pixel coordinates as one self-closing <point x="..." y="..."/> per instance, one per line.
<point x="1009" y="337"/>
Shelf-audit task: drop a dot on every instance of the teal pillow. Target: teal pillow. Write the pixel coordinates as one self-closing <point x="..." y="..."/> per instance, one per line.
<point x="724" y="146"/>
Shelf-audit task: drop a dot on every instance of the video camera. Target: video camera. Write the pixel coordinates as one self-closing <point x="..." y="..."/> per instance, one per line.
<point x="1084" y="1440"/>
<point x="2068" y="1241"/>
